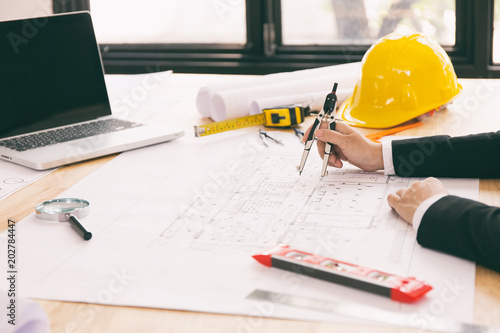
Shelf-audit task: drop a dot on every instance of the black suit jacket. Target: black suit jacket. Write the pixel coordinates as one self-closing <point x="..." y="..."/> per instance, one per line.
<point x="454" y="225"/>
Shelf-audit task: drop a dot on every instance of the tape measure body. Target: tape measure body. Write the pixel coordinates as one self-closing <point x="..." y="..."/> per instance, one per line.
<point x="280" y="117"/>
<point x="284" y="116"/>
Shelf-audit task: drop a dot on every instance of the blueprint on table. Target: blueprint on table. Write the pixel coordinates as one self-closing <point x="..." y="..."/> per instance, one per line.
<point x="175" y="225"/>
<point x="13" y="177"/>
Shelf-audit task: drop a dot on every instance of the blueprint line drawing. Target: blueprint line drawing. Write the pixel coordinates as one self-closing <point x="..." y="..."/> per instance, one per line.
<point x="269" y="205"/>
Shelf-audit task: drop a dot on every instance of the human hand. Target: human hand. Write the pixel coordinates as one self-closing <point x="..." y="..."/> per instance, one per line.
<point x="348" y="145"/>
<point x="407" y="200"/>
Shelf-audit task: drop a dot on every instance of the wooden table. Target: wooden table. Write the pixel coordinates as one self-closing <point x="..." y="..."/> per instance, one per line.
<point x="475" y="110"/>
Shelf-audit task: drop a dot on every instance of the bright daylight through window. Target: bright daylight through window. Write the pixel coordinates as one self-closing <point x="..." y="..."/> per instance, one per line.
<point x="362" y="22"/>
<point x="172" y="21"/>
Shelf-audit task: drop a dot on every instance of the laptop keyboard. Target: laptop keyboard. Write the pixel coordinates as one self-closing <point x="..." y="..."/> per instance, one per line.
<point x="79" y="131"/>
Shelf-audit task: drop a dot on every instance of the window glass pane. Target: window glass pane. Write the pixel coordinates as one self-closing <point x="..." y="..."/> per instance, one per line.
<point x="364" y="21"/>
<point x="12" y="10"/>
<point x="172" y="21"/>
<point x="496" y="35"/>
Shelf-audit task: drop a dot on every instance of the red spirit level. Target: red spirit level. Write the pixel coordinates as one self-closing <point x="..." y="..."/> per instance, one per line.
<point x="401" y="289"/>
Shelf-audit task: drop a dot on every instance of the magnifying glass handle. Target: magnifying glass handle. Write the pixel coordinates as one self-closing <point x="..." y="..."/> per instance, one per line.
<point x="79" y="227"/>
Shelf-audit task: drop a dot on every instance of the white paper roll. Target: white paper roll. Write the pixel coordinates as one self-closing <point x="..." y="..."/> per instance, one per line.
<point x="236" y="103"/>
<point x="314" y="100"/>
<point x="203" y="101"/>
<point x="206" y="93"/>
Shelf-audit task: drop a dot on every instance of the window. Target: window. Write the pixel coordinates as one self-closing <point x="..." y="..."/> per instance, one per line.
<point x="363" y="22"/>
<point x="496" y="34"/>
<point x="173" y="21"/>
<point x="265" y="36"/>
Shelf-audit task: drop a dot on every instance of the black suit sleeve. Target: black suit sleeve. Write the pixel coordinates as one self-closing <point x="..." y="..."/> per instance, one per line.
<point x="471" y="156"/>
<point x="464" y="228"/>
<point x="454" y="225"/>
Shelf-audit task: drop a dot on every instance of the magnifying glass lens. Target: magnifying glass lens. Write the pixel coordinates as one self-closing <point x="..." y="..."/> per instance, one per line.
<point x="61" y="207"/>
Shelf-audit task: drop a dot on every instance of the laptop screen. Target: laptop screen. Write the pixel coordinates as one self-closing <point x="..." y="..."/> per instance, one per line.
<point x="50" y="73"/>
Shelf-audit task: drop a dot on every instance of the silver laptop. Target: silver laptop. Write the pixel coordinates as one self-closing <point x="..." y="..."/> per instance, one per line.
<point x="54" y="106"/>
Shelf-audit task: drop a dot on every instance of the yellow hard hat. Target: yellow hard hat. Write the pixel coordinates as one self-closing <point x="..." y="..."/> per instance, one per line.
<point x="402" y="77"/>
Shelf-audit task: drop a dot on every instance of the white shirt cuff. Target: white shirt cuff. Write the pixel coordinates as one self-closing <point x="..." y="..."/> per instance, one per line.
<point x="422" y="208"/>
<point x="387" y="156"/>
<point x="389" y="170"/>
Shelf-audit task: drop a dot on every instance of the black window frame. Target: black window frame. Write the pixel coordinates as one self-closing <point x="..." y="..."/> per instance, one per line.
<point x="265" y="53"/>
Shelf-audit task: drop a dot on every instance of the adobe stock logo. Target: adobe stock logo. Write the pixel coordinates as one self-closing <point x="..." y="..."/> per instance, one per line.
<point x="431" y="313"/>
<point x="29" y="30"/>
<point x="87" y="313"/>
<point x="417" y="156"/>
<point x="223" y="7"/>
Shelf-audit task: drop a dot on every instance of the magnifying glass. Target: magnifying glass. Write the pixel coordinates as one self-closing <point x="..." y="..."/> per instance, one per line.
<point x="66" y="210"/>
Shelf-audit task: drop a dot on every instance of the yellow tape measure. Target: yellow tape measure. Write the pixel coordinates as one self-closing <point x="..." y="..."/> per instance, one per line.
<point x="274" y="117"/>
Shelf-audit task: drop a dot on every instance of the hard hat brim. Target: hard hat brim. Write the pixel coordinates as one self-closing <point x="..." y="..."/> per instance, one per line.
<point x="345" y="111"/>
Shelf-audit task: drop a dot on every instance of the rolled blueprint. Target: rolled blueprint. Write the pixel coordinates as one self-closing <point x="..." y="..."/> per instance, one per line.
<point x="205" y="94"/>
<point x="204" y="99"/>
<point x="236" y="103"/>
<point x="314" y="100"/>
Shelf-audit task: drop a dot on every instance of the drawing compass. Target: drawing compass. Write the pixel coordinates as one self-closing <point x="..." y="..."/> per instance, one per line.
<point x="327" y="115"/>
